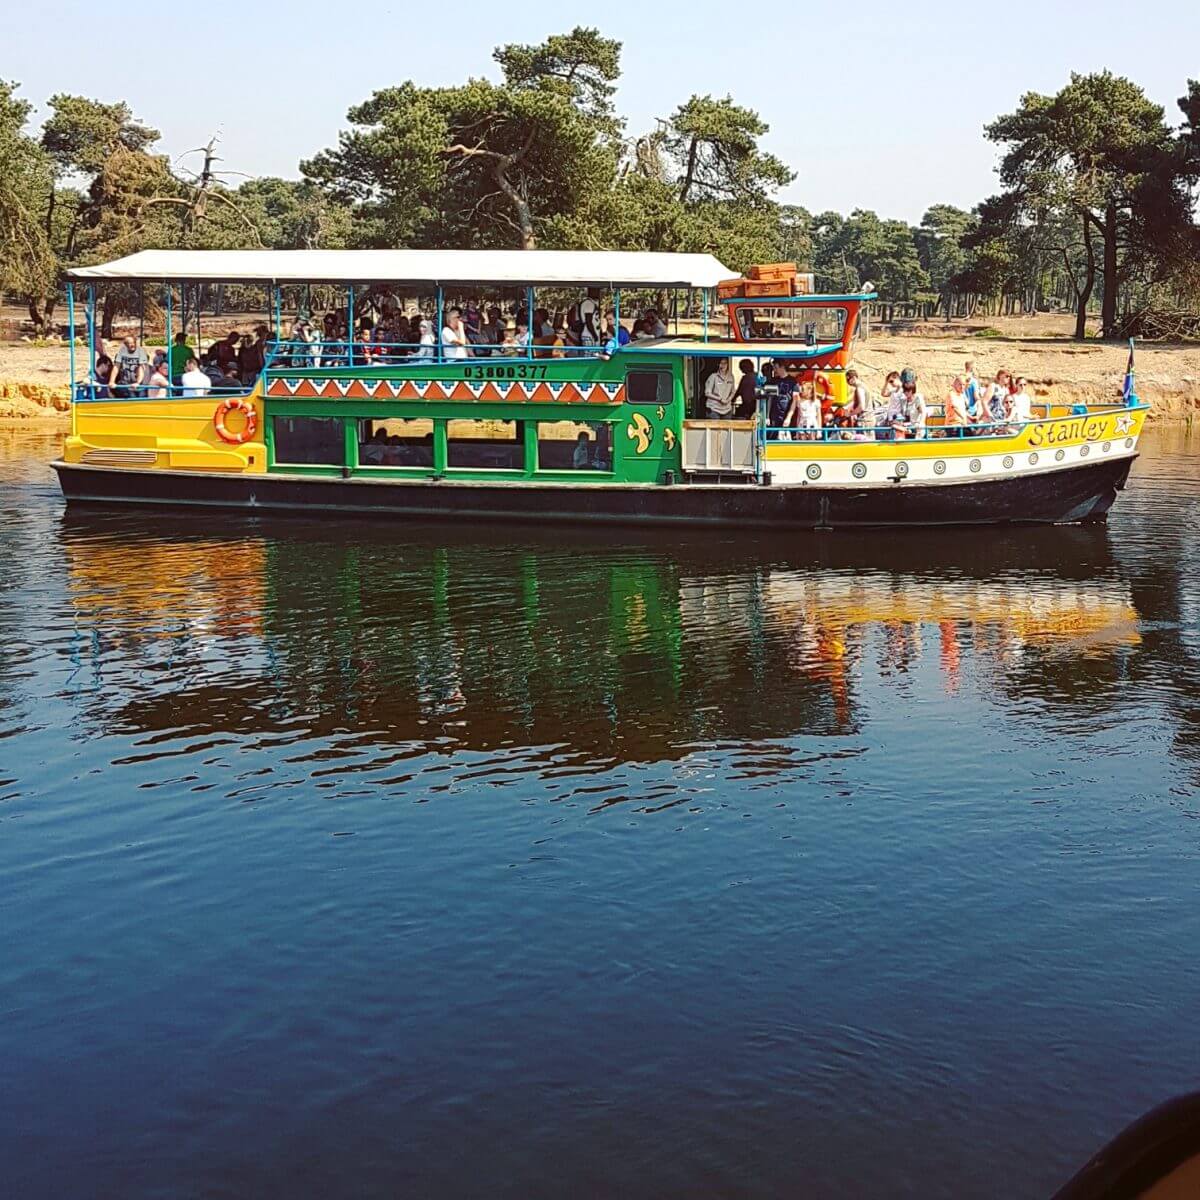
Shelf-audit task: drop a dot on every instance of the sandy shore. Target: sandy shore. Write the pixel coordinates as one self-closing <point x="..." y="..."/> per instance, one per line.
<point x="33" y="379"/>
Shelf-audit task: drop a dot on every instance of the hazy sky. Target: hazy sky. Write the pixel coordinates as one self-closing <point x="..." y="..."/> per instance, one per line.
<point x="874" y="105"/>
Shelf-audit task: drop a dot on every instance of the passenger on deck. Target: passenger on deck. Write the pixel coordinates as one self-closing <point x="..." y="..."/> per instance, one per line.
<point x="454" y="336"/>
<point x="1020" y="403"/>
<point x="746" y="397"/>
<point x="426" y="342"/>
<point x="993" y="398"/>
<point x="718" y="392"/>
<point x="857" y="413"/>
<point x="581" y="460"/>
<point x="541" y="324"/>
<point x="101" y="377"/>
<point x="588" y="334"/>
<point x="956" y="419"/>
<point x="890" y="389"/>
<point x="519" y="342"/>
<point x="809" y="419"/>
<point x="781" y="402"/>
<point x="226" y="350"/>
<point x="231" y="381"/>
<point x="375" y="451"/>
<point x="131" y="367"/>
<point x="179" y="353"/>
<point x="364" y="349"/>
<point x="613" y="329"/>
<point x="590" y="306"/>
<point x="160" y="380"/>
<point x="195" y="382"/>
<point x="654" y="324"/>
<point x="909" y="421"/>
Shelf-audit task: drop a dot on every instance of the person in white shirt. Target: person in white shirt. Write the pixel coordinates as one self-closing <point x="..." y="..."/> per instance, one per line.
<point x="427" y="340"/>
<point x="589" y="306"/>
<point x="718" y="392"/>
<point x="1020" y="403"/>
<point x="808" y="413"/>
<point x="159" y="382"/>
<point x="653" y="325"/>
<point x="194" y="380"/>
<point x="454" y="336"/>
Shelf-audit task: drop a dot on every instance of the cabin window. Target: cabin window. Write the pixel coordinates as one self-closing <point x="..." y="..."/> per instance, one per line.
<point x="650" y="387"/>
<point x="810" y="324"/>
<point x="395" y="443"/>
<point x="309" y="441"/>
<point x="485" y="445"/>
<point x="574" y="446"/>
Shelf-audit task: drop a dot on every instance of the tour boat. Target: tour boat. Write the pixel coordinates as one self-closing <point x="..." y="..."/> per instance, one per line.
<point x="541" y="431"/>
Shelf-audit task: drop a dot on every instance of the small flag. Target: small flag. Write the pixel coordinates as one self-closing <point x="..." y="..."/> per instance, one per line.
<point x="1127" y="389"/>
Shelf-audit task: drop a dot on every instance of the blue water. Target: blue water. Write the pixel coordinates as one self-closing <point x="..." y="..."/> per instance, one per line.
<point x="376" y="860"/>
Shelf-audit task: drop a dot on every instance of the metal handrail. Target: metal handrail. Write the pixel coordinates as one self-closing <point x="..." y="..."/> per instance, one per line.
<point x="302" y="355"/>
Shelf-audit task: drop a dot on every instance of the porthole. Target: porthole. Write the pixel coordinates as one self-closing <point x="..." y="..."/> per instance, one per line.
<point x="1033" y="459"/>
<point x="814" y="472"/>
<point x="859" y="470"/>
<point x="901" y="470"/>
<point x="975" y="466"/>
<point x="1083" y="451"/>
<point x="1129" y="443"/>
<point x="939" y="467"/>
<point x="1008" y="462"/>
<point x="1106" y="448"/>
<point x="1059" y="455"/>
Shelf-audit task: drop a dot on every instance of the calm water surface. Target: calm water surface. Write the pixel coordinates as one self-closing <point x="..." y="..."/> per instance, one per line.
<point x="375" y="860"/>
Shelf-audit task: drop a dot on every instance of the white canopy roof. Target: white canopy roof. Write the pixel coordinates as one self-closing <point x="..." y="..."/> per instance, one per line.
<point x="624" y="268"/>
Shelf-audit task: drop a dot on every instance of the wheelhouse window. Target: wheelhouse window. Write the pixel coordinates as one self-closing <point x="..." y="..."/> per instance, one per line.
<point x="812" y="324"/>
<point x="574" y="446"/>
<point x="309" y="441"/>
<point x="485" y="445"/>
<point x="395" y="443"/>
<point x="649" y="387"/>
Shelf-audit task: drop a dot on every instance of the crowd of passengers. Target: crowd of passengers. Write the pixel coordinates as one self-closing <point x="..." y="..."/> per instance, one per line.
<point x="476" y="330"/>
<point x="382" y="336"/>
<point x="230" y="364"/>
<point x="975" y="404"/>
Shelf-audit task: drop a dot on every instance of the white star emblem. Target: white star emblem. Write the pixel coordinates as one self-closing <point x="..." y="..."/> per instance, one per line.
<point x="1124" y="424"/>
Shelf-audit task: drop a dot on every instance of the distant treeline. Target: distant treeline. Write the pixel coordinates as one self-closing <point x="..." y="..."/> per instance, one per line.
<point x="1096" y="212"/>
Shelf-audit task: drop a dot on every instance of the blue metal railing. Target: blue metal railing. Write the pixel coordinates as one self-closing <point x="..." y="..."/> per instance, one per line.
<point x="301" y="355"/>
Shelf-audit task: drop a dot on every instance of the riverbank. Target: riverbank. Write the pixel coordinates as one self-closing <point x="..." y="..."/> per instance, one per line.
<point x="33" y="379"/>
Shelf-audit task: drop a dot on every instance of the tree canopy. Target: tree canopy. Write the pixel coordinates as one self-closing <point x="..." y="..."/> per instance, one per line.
<point x="1096" y="207"/>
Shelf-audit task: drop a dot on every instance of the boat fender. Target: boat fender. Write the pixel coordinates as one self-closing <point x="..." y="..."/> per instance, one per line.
<point x="235" y="404"/>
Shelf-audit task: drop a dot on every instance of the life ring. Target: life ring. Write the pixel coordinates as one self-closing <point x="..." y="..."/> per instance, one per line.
<point x="235" y="404"/>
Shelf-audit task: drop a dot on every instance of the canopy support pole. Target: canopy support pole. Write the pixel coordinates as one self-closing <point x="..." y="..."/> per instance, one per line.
<point x="350" y="325"/>
<point x="440" y="301"/>
<point x="528" y="321"/>
<point x="617" y="316"/>
<point x="704" y="302"/>
<point x="170" y="338"/>
<point x="199" y="297"/>
<point x="142" y="315"/>
<point x="278" y="313"/>
<point x="90" y="315"/>
<point x="71" y="347"/>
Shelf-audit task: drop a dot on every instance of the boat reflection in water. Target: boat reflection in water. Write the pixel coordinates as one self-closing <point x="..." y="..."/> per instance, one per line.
<point x="600" y="651"/>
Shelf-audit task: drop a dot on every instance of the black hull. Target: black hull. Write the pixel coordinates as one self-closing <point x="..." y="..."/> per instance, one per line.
<point x="1080" y="493"/>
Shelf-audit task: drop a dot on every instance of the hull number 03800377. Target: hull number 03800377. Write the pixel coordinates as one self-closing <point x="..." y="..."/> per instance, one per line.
<point x="511" y="371"/>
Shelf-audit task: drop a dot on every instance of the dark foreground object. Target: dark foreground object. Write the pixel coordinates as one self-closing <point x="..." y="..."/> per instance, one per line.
<point x="1155" y="1158"/>
<point x="1082" y="493"/>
